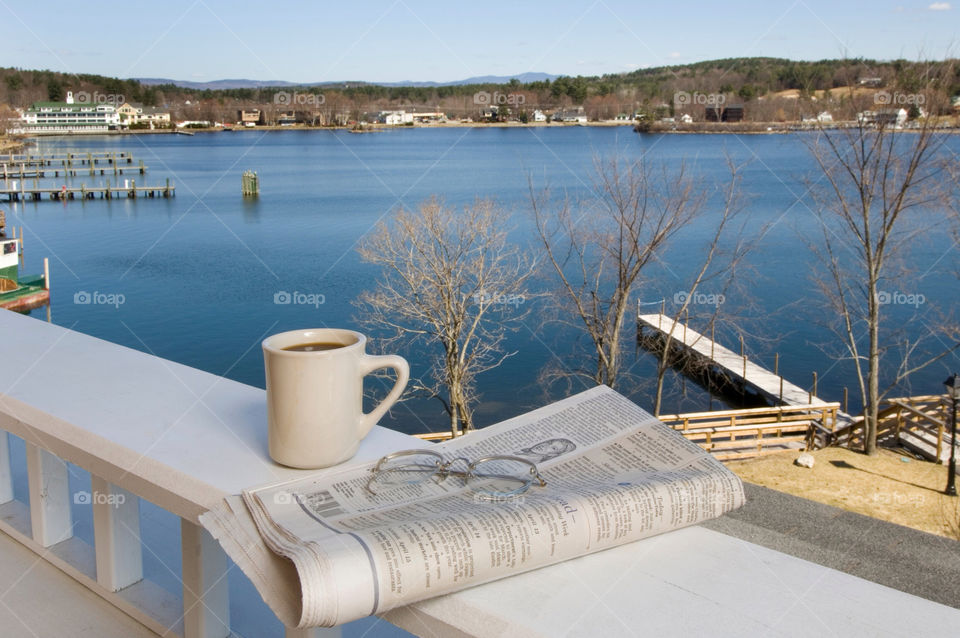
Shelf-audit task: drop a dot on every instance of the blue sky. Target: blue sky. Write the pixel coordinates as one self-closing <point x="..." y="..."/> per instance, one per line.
<point x="394" y="40"/>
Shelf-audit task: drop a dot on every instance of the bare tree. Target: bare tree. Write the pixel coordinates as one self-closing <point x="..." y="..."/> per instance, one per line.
<point x="878" y="193"/>
<point x="598" y="252"/>
<point x="450" y="282"/>
<point x="715" y="266"/>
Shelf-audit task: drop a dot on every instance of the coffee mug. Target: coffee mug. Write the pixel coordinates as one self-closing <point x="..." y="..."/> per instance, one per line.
<point x="315" y="394"/>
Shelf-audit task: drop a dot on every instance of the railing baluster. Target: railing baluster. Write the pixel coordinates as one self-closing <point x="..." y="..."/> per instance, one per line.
<point x="6" y="476"/>
<point x="50" y="517"/>
<point x="116" y="528"/>
<point x="206" y="604"/>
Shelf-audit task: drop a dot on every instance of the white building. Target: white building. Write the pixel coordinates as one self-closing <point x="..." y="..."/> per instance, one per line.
<point x="539" y="116"/>
<point x="395" y="118"/>
<point x="894" y="118"/>
<point x="68" y="117"/>
<point x="824" y="117"/>
<point x="577" y="115"/>
<point x="686" y="118"/>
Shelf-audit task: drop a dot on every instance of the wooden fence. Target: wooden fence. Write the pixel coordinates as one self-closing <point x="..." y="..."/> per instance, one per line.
<point x="740" y="434"/>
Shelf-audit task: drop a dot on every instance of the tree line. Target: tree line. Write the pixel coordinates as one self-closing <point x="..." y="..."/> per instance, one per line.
<point x="738" y="79"/>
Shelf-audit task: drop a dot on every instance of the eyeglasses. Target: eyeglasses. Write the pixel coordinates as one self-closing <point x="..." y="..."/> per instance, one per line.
<point x="491" y="477"/>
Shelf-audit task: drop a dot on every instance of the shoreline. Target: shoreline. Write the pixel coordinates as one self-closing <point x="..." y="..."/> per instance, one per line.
<point x="752" y="128"/>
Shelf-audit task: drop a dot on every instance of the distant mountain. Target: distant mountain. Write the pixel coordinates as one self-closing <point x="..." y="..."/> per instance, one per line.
<point x="214" y="85"/>
<point x="523" y="78"/>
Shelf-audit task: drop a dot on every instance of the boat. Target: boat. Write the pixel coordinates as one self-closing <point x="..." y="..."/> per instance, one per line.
<point x="21" y="293"/>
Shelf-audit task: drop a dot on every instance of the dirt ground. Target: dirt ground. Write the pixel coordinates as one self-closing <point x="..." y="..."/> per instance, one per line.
<point x="894" y="486"/>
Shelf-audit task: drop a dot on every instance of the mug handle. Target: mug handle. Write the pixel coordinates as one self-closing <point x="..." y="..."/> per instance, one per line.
<point x="375" y="362"/>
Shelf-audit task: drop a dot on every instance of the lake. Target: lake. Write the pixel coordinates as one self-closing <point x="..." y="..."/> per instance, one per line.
<point x="194" y="278"/>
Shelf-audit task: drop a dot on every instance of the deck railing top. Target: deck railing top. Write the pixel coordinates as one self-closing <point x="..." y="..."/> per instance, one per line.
<point x="177" y="436"/>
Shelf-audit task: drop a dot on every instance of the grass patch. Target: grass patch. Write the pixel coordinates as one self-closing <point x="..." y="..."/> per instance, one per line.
<point x="894" y="486"/>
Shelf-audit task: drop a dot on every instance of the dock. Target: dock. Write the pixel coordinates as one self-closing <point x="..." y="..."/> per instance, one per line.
<point x="68" y="160"/>
<point x="734" y="367"/>
<point x="36" y="194"/>
<point x="36" y="171"/>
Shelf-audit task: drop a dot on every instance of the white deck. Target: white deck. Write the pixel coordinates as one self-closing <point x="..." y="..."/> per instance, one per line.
<point x="184" y="438"/>
<point x="757" y="376"/>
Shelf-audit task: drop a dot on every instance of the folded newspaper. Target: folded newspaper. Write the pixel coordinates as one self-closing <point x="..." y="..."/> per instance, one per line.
<point x="614" y="474"/>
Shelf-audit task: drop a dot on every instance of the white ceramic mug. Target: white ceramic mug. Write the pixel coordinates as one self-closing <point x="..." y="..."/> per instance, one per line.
<point x="315" y="398"/>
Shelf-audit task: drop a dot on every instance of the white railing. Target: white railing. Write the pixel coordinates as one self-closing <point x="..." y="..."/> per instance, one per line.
<point x="143" y="428"/>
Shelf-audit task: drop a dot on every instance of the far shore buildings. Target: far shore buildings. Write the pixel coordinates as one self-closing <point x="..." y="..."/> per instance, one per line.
<point x="887" y="118"/>
<point x="250" y="117"/>
<point x="404" y="118"/>
<point x="576" y="114"/>
<point x="86" y="117"/>
<point x="68" y="117"/>
<point x="133" y="113"/>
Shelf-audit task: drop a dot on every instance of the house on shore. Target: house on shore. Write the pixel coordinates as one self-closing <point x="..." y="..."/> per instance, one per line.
<point x="575" y="114"/>
<point x="731" y="113"/>
<point x="134" y="113"/>
<point x="395" y="118"/>
<point x="884" y="118"/>
<point x="250" y="117"/>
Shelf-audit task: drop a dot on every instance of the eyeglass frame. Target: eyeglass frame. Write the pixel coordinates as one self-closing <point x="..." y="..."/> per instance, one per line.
<point x="443" y="470"/>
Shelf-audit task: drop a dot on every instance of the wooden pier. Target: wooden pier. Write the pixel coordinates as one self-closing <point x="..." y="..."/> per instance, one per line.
<point x="735" y="368"/>
<point x="36" y="194"/>
<point x="35" y="171"/>
<point x="69" y="160"/>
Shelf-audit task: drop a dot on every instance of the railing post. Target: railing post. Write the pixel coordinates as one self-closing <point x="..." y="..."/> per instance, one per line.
<point x="50" y="518"/>
<point x="940" y="433"/>
<point x="116" y="530"/>
<point x="6" y="476"/>
<point x="206" y="607"/>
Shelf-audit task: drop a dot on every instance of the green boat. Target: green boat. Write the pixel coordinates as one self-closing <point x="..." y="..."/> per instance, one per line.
<point x="19" y="292"/>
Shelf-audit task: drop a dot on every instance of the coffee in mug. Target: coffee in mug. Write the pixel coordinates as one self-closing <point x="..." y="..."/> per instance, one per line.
<point x="315" y="377"/>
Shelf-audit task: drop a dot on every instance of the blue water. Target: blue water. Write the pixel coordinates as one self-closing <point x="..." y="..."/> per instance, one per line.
<point x="198" y="273"/>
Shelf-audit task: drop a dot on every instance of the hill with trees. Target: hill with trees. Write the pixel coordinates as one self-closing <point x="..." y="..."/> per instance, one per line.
<point x="772" y="89"/>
